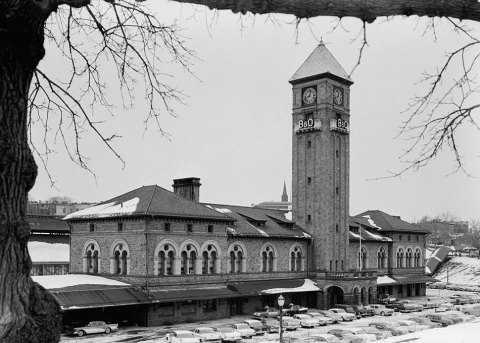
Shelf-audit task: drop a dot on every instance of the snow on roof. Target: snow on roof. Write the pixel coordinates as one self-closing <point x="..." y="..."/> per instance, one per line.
<point x="308" y="286"/>
<point x="355" y="234"/>
<point x="232" y="231"/>
<point x="262" y="232"/>
<point x="385" y="280"/>
<point x="371" y="222"/>
<point x="49" y="252"/>
<point x="61" y="281"/>
<point x="222" y="210"/>
<point x="107" y="210"/>
<point x="378" y="237"/>
<point x="288" y="215"/>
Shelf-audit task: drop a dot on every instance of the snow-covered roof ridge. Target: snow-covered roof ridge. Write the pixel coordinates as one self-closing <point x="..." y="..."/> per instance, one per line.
<point x="62" y="281"/>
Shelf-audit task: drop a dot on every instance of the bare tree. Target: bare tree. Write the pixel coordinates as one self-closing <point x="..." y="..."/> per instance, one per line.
<point x="127" y="34"/>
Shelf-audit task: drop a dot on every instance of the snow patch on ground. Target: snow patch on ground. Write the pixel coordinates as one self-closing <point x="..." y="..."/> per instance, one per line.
<point x="461" y="270"/>
<point x="61" y="281"/>
<point x="49" y="252"/>
<point x="107" y="210"/>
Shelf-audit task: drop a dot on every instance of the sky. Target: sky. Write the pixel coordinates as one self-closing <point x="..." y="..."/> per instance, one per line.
<point x="234" y="132"/>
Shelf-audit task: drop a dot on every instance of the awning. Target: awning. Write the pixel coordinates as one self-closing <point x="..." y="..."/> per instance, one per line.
<point x="404" y="279"/>
<point x="110" y="296"/>
<point x="274" y="287"/>
<point x="169" y="295"/>
<point x="385" y="280"/>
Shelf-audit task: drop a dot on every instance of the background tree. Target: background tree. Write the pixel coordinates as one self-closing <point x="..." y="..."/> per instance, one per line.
<point x="91" y="35"/>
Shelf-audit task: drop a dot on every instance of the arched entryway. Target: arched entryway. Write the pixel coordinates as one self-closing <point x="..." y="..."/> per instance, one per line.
<point x="371" y="299"/>
<point x="334" y="296"/>
<point x="364" y="296"/>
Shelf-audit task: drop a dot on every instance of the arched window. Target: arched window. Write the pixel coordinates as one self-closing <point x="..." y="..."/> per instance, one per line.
<point x="295" y="259"/>
<point x="119" y="262"/>
<point x="188" y="260"/>
<point x="91" y="258"/>
<point x="356" y="296"/>
<point x="417" y="260"/>
<point x="409" y="257"/>
<point x="166" y="256"/>
<point x="237" y="259"/>
<point x="400" y="258"/>
<point x="209" y="256"/>
<point x="268" y="259"/>
<point x="362" y="259"/>
<point x="381" y="258"/>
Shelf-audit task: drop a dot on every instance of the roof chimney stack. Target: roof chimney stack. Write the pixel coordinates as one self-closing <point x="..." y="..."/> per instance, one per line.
<point x="188" y="188"/>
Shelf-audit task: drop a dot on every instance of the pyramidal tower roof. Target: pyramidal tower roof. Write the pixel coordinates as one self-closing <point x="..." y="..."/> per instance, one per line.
<point x="320" y="63"/>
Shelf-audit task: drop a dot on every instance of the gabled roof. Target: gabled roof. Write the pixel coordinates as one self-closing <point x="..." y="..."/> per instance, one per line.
<point x="388" y="223"/>
<point x="320" y="63"/>
<point x="47" y="224"/>
<point x="149" y="201"/>
<point x="274" y="223"/>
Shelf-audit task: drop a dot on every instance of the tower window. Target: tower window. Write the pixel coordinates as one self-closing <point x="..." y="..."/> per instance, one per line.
<point x="92" y="227"/>
<point x="336" y="228"/>
<point x="336" y="265"/>
<point x="166" y="227"/>
<point x="121" y="227"/>
<point x="337" y="190"/>
<point x="409" y="238"/>
<point x="189" y="228"/>
<point x="309" y="144"/>
<point x="309" y="218"/>
<point x="336" y="153"/>
<point x="400" y="237"/>
<point x="210" y="228"/>
<point x="342" y="265"/>
<point x="309" y="180"/>
<point x="418" y="238"/>
<point x="331" y="264"/>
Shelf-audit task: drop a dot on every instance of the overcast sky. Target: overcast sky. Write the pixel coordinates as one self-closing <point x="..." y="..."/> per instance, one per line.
<point x="235" y="131"/>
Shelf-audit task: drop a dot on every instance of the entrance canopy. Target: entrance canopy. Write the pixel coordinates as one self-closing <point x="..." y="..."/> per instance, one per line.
<point x="274" y="286"/>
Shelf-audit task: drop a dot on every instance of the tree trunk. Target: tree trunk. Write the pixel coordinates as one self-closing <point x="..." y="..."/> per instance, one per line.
<point x="363" y="9"/>
<point x="28" y="313"/>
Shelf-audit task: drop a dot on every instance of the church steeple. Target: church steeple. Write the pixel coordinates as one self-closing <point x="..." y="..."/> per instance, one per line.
<point x="284" y="195"/>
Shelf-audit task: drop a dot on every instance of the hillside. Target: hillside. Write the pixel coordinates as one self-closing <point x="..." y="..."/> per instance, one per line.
<point x="461" y="270"/>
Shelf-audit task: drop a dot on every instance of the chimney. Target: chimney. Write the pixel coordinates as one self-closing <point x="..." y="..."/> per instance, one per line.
<point x="188" y="188"/>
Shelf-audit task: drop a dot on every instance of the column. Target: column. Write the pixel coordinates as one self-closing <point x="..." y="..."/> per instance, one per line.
<point x="112" y="266"/>
<point x="176" y="266"/>
<point x="217" y="268"/>
<point x="274" y="267"/>
<point x="244" y="265"/>
<point x="128" y="265"/>
<point x="198" y="265"/>
<point x="85" y="264"/>
<point x="155" y="266"/>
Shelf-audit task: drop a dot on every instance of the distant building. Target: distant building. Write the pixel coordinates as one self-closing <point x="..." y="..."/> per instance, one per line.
<point x="284" y="205"/>
<point x="444" y="232"/>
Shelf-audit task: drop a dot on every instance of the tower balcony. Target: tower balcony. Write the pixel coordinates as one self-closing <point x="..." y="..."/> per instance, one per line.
<point x="340" y="125"/>
<point x="308" y="125"/>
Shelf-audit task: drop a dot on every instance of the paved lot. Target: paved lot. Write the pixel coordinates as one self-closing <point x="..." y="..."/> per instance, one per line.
<point x="156" y="334"/>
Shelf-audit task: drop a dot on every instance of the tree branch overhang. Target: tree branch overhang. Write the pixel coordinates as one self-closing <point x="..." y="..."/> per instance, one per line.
<point x="365" y="10"/>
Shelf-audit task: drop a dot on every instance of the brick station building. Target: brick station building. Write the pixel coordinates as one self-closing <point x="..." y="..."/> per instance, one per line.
<point x="191" y="260"/>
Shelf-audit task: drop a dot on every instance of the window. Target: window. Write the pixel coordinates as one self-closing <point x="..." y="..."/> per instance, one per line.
<point x="399" y="237"/>
<point x="330" y="265"/>
<point x="417" y="238"/>
<point x="166" y="227"/>
<point x="342" y="265"/>
<point x="336" y="265"/>
<point x="268" y="256"/>
<point x="336" y="153"/>
<point x="189" y="228"/>
<point x="210" y="305"/>
<point x="309" y="218"/>
<point x="210" y="228"/>
<point x="337" y="190"/>
<point x="120" y="227"/>
<point x="309" y="144"/>
<point x="409" y="238"/>
<point x="92" y="227"/>
<point x="336" y="228"/>
<point x="309" y="180"/>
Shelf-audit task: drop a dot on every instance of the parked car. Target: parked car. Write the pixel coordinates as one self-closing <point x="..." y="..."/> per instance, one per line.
<point x="411" y="325"/>
<point x="348" y="309"/>
<point x="346" y="317"/>
<point x="425" y="321"/>
<point x="387" y="300"/>
<point x="256" y="325"/>
<point x="306" y="321"/>
<point x="408" y="306"/>
<point x="457" y="314"/>
<point x="382" y="310"/>
<point x="245" y="330"/>
<point x="290" y="323"/>
<point x="270" y="325"/>
<point x="324" y="320"/>
<point x="363" y="311"/>
<point x="329" y="338"/>
<point x="469" y="309"/>
<point x="295" y="309"/>
<point x="380" y="334"/>
<point x="208" y="335"/>
<point x="440" y="318"/>
<point x="183" y="336"/>
<point x="228" y="334"/>
<point x="444" y="307"/>
<point x="474" y="296"/>
<point x="330" y="314"/>
<point x="95" y="327"/>
<point x="394" y="330"/>
<point x="345" y="334"/>
<point x="269" y="312"/>
<point x="359" y="332"/>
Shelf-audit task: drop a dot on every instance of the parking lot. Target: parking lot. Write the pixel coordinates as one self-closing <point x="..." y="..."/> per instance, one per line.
<point x="158" y="334"/>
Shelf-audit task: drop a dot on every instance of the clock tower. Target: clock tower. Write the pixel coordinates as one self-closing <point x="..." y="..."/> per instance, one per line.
<point x="320" y="151"/>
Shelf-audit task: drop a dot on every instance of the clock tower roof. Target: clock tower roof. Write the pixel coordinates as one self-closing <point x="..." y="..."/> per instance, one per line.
<point x="320" y="64"/>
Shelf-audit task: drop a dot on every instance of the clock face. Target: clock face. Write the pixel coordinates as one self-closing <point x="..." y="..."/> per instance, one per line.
<point x="337" y="96"/>
<point x="309" y="95"/>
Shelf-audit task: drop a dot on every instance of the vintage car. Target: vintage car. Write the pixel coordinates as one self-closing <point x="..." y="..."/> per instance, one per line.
<point x="95" y="327"/>
<point x="459" y="315"/>
<point x="228" y="334"/>
<point x="183" y="336"/>
<point x="245" y="330"/>
<point x="359" y="332"/>
<point x="306" y="321"/>
<point x="270" y="325"/>
<point x="363" y="311"/>
<point x="381" y="310"/>
<point x="407" y="306"/>
<point x="208" y="334"/>
<point x="256" y="325"/>
<point x="380" y="334"/>
<point x="330" y="314"/>
<point x="346" y="317"/>
<point x="329" y="338"/>
<point x="412" y="326"/>
<point x="348" y="309"/>
<point x="295" y="309"/>
<point x="469" y="309"/>
<point x="386" y="326"/>
<point x="346" y="334"/>
<point x="440" y="318"/>
<point x="290" y="323"/>
<point x="425" y="321"/>
<point x="268" y="312"/>
<point x="325" y="320"/>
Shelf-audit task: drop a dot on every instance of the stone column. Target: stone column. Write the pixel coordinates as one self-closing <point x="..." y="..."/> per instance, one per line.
<point x="85" y="264"/>
<point x="198" y="266"/>
<point x="217" y="267"/>
<point x="274" y="267"/>
<point x="155" y="266"/>
<point x="244" y="265"/>
<point x="112" y="266"/>
<point x="128" y="265"/>
<point x="176" y="266"/>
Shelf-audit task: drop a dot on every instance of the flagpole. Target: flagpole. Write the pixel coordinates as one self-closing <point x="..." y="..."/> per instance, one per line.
<point x="360" y="252"/>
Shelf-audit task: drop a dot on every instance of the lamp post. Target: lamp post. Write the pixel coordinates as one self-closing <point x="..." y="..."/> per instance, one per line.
<point x="281" y="302"/>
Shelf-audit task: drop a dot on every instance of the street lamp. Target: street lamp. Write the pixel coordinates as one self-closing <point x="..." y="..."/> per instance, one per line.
<point x="281" y="302"/>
